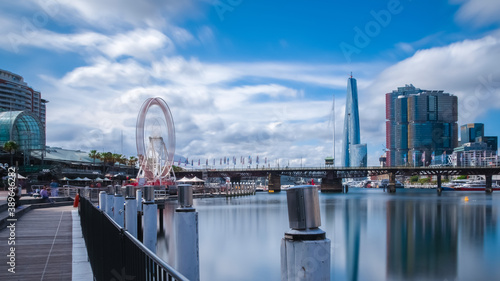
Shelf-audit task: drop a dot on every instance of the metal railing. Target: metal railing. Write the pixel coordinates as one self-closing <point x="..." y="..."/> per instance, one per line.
<point x="115" y="254"/>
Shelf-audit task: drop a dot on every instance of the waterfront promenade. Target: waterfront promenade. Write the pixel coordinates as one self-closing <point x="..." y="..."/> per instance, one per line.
<point x="48" y="246"/>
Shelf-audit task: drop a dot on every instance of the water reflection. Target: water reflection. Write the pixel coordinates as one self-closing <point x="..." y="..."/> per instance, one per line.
<point x="421" y="240"/>
<point x="412" y="235"/>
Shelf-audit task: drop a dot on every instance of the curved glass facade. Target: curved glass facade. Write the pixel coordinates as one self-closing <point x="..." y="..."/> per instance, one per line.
<point x="24" y="128"/>
<point x="351" y="133"/>
<point x="358" y="155"/>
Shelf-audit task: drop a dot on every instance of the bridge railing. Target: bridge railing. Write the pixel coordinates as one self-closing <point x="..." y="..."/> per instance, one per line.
<point x="115" y="254"/>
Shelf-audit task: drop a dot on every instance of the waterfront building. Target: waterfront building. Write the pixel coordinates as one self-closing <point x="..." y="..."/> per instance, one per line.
<point x="24" y="128"/>
<point x="16" y="95"/>
<point x="421" y="125"/>
<point x="476" y="149"/>
<point x="354" y="154"/>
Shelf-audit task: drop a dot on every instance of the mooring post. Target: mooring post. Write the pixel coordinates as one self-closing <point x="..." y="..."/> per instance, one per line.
<point x="130" y="210"/>
<point x="489" y="183"/>
<point x="102" y="200"/>
<point x="138" y="195"/>
<point x="392" y="183"/>
<point x="110" y="200"/>
<point x="439" y="188"/>
<point x="186" y="228"/>
<point x="305" y="250"/>
<point x="119" y="204"/>
<point x="150" y="218"/>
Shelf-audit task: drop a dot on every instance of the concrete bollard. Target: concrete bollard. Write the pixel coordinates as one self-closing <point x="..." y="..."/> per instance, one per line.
<point x="130" y="210"/>
<point x="118" y="207"/>
<point x="150" y="217"/>
<point x="186" y="230"/>
<point x="110" y="200"/>
<point x="305" y="250"/>
<point x="102" y="200"/>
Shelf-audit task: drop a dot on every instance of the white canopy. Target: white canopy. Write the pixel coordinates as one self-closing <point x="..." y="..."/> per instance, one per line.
<point x="184" y="179"/>
<point x="196" y="179"/>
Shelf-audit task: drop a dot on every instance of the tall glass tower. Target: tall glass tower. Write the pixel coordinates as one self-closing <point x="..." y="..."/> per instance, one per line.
<point x="353" y="155"/>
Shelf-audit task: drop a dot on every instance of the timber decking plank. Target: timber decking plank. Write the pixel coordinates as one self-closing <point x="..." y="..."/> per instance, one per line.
<point x="43" y="246"/>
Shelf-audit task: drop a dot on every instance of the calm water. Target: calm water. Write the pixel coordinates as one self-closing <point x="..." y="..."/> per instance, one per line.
<point x="412" y="235"/>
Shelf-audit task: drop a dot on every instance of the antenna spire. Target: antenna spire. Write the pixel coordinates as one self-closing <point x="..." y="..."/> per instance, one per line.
<point x="351" y="74"/>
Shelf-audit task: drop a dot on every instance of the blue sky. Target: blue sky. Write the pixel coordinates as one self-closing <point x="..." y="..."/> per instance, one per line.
<point x="247" y="77"/>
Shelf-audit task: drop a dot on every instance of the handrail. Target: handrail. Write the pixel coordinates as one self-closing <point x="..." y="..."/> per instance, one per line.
<point x="114" y="251"/>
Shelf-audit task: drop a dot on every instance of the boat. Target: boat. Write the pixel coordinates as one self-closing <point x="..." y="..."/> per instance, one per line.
<point x="469" y="185"/>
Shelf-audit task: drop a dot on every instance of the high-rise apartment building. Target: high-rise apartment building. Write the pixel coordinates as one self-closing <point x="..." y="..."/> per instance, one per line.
<point x="420" y="124"/>
<point x="354" y="154"/>
<point x="16" y="95"/>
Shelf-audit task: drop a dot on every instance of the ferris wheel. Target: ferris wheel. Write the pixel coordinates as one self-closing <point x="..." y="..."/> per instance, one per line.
<point x="155" y="140"/>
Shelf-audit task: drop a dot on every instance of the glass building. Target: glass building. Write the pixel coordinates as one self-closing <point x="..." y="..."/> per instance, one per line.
<point x="352" y="155"/>
<point x="419" y="124"/>
<point x="358" y="155"/>
<point x="22" y="127"/>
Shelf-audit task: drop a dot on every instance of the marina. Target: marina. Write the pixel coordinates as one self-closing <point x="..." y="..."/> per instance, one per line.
<point x="410" y="235"/>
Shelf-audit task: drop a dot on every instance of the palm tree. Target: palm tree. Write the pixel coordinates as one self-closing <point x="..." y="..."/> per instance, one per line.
<point x="94" y="155"/>
<point x="116" y="158"/>
<point x="107" y="157"/>
<point x="132" y="160"/>
<point x="11" y="147"/>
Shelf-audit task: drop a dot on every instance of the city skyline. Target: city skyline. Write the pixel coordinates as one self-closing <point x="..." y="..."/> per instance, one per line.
<point x="247" y="78"/>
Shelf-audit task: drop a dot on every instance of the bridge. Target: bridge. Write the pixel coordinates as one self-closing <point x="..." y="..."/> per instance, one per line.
<point x="332" y="176"/>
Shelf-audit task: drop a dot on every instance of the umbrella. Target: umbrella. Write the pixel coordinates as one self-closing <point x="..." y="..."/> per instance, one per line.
<point x="184" y="179"/>
<point x="86" y="179"/>
<point x="78" y="179"/>
<point x="98" y="179"/>
<point x="196" y="179"/>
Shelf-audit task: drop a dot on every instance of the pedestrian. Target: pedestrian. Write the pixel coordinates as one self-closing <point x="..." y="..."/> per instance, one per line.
<point x="45" y="195"/>
<point x="54" y="188"/>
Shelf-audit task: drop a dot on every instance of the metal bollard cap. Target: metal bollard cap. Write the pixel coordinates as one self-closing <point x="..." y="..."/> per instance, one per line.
<point x="118" y="190"/>
<point x="185" y="192"/>
<point x="148" y="193"/>
<point x="303" y="207"/>
<point x="128" y="191"/>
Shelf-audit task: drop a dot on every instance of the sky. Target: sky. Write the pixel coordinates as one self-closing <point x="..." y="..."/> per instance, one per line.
<point x="247" y="78"/>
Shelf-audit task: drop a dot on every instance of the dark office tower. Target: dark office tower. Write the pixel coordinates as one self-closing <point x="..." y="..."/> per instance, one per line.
<point x="419" y="123"/>
<point x="353" y="153"/>
<point x="469" y="132"/>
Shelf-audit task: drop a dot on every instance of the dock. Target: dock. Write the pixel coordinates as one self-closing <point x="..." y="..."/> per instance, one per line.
<point x="48" y="246"/>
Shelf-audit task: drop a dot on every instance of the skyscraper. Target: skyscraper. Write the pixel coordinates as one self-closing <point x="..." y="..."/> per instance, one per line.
<point x="353" y="153"/>
<point x="419" y="123"/>
<point x="16" y="95"/>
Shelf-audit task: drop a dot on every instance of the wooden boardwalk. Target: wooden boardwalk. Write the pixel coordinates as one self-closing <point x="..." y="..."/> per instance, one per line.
<point x="44" y="246"/>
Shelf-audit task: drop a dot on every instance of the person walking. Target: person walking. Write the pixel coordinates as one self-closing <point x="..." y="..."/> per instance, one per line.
<point x="54" y="188"/>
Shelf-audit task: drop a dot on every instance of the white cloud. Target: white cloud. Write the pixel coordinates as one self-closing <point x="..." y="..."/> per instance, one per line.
<point x="478" y="12"/>
<point x="138" y="43"/>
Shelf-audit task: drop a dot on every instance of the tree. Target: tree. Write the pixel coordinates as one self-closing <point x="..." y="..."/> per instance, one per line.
<point x="132" y="160"/>
<point x="107" y="157"/>
<point x="94" y="155"/>
<point x="11" y="147"/>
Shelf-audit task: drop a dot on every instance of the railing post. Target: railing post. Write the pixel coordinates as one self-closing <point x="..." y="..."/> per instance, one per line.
<point x="305" y="250"/>
<point x="150" y="218"/>
<point x="130" y="210"/>
<point x="186" y="228"/>
<point x="119" y="204"/>
<point x="110" y="201"/>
